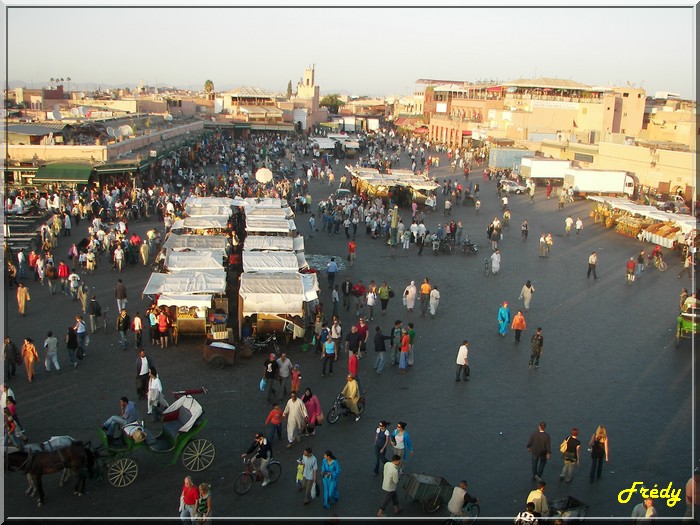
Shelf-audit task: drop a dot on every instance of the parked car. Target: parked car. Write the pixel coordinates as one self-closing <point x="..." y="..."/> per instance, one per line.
<point x="513" y="187"/>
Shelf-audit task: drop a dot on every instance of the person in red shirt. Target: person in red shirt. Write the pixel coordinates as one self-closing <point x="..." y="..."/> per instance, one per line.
<point x="363" y="330"/>
<point x="630" y="270"/>
<point x="354" y="368"/>
<point x="405" y="345"/>
<point x="274" y="423"/>
<point x="359" y="291"/>
<point x="351" y="251"/>
<point x="63" y="273"/>
<point x="188" y="500"/>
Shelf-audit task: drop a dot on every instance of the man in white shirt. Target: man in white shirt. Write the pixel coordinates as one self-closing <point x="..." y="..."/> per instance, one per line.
<point x="389" y="483"/>
<point x="284" y="372"/>
<point x="463" y="361"/>
<point x="51" y="347"/>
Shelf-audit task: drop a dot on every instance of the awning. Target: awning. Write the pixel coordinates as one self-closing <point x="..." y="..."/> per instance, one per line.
<point x="277" y="293"/>
<point x="199" y="301"/>
<point x="64" y="172"/>
<point x="202" y="223"/>
<point x="494" y="89"/>
<point x="422" y="129"/>
<point x="283" y="262"/>
<point x="179" y="261"/>
<point x="195" y="242"/>
<point x="466" y="132"/>
<point x="187" y="282"/>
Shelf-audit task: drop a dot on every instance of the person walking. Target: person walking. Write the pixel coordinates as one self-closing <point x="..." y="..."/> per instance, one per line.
<point x="30" y="357"/>
<point x="330" y="471"/>
<point x="284" y="374"/>
<point x="155" y="392"/>
<point x="384" y="293"/>
<point x="310" y="469"/>
<point x="495" y="261"/>
<point x="524" y="230"/>
<point x="380" y="349"/>
<point x="329" y="354"/>
<point x="401" y="443"/>
<point x="518" y="325"/>
<point x="390" y="481"/>
<point x="123" y="325"/>
<point x="540" y="448"/>
<point x="568" y="225"/>
<point x="120" y="295"/>
<point x="51" y="347"/>
<point x="188" y="501"/>
<point x="503" y="319"/>
<point x="72" y="345"/>
<point x="314" y="412"/>
<point x="571" y="456"/>
<point x="270" y="368"/>
<point x="204" y="502"/>
<point x="404" y="348"/>
<point x="143" y="367"/>
<point x="599" y="452"/>
<point x="592" y="263"/>
<point x="11" y="357"/>
<point x="536" y="345"/>
<point x="688" y="264"/>
<point x="295" y="413"/>
<point x="409" y="296"/>
<point x="629" y="270"/>
<point x="692" y="496"/>
<point x="381" y="443"/>
<point x="94" y="311"/>
<point x="331" y="270"/>
<point x="425" y="290"/>
<point x="526" y="294"/>
<point x="578" y="226"/>
<point x="639" y="268"/>
<point x="22" y="298"/>
<point x="346" y="288"/>
<point x="312" y="226"/>
<point x="434" y="301"/>
<point x="539" y="500"/>
<point x="463" y="361"/>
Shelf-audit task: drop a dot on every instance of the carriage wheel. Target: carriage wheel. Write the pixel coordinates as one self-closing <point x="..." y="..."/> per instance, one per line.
<point x="432" y="503"/>
<point x="218" y="362"/>
<point x="198" y="455"/>
<point x="122" y="472"/>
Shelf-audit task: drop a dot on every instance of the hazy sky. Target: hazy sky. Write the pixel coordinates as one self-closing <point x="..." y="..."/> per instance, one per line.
<point x="362" y="51"/>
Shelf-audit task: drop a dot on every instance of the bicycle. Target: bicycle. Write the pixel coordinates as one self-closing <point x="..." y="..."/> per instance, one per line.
<point x="470" y="512"/>
<point x="658" y="263"/>
<point x="244" y="481"/>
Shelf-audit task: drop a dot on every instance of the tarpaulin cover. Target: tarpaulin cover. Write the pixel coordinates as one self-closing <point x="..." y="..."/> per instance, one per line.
<point x="285" y="213"/>
<point x="264" y="202"/>
<point x="277" y="293"/>
<point x="269" y="242"/>
<point x="199" y="301"/>
<point x="201" y="223"/>
<point x="180" y="243"/>
<point x="193" y="200"/>
<point x="179" y="261"/>
<point x="213" y="210"/>
<point x="270" y="225"/>
<point x="270" y="262"/>
<point x="187" y="282"/>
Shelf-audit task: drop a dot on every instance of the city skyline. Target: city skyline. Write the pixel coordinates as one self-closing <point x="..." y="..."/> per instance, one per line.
<point x="358" y="51"/>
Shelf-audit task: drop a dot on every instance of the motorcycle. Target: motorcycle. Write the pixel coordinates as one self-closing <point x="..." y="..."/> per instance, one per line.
<point x="262" y="344"/>
<point x="340" y="408"/>
<point x="441" y="245"/>
<point x="468" y="247"/>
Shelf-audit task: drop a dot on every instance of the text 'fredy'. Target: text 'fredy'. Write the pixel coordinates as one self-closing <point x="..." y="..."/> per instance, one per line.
<point x="671" y="495"/>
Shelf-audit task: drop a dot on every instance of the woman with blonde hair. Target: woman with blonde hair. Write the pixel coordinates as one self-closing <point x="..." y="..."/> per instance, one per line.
<point x="599" y="452"/>
<point x="203" y="509"/>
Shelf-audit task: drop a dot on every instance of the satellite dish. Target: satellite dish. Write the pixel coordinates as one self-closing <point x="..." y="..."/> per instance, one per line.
<point x="168" y="117"/>
<point x="81" y="95"/>
<point x="110" y="132"/>
<point x="57" y="114"/>
<point x="56" y="107"/>
<point x="83" y="111"/>
<point x="75" y="112"/>
<point x="127" y="130"/>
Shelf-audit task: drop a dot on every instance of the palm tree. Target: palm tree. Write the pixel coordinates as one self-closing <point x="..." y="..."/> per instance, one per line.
<point x="208" y="86"/>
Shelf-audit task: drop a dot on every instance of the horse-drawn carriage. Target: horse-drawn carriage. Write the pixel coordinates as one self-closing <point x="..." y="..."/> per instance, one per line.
<point x="182" y="422"/>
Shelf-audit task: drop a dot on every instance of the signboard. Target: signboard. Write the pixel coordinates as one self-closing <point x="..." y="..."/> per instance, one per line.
<point x="554" y="104"/>
<point x="441" y="107"/>
<point x="153" y="153"/>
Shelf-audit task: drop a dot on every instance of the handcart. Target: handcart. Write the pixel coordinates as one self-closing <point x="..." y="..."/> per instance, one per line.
<point x="569" y="508"/>
<point x="431" y="491"/>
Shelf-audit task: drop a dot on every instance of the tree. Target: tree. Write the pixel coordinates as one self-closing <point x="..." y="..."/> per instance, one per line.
<point x="289" y="90"/>
<point x="332" y="102"/>
<point x="208" y="86"/>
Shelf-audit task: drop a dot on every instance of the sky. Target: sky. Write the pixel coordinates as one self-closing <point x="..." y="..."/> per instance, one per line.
<point x="358" y="51"/>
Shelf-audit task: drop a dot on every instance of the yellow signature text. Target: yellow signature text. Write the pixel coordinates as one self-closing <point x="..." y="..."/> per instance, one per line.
<point x="671" y="495"/>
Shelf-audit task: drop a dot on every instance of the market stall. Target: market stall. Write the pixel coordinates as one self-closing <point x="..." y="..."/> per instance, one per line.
<point x="273" y="243"/>
<point x="190" y="294"/>
<point x="285" y="213"/>
<point x="286" y="262"/>
<point x="279" y="226"/>
<point x="279" y="295"/>
<point x="194" y="260"/>
<point x="185" y="242"/>
<point x="202" y="225"/>
<point x="214" y="210"/>
<point x="403" y="186"/>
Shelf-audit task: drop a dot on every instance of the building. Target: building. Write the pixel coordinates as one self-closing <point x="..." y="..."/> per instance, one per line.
<point x="303" y="109"/>
<point x="250" y="104"/>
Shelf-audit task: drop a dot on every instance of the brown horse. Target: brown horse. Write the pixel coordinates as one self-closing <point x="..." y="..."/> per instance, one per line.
<point x="76" y="458"/>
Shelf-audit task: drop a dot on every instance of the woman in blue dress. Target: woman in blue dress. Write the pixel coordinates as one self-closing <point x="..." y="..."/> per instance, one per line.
<point x="330" y="470"/>
<point x="503" y="319"/>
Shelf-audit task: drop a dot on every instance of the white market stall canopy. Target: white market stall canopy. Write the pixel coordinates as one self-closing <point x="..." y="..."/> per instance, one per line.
<point x="286" y="262"/>
<point x="180" y="243"/>
<point x="190" y="300"/>
<point x="397" y="177"/>
<point x="193" y="200"/>
<point x="273" y="243"/>
<point x="187" y="282"/>
<point x="264" y="202"/>
<point x="270" y="225"/>
<point x="201" y="223"/>
<point x="323" y="143"/>
<point x="214" y="210"/>
<point x="207" y="260"/>
<point x="277" y="293"/>
<point x="686" y="223"/>
<point x="285" y="213"/>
